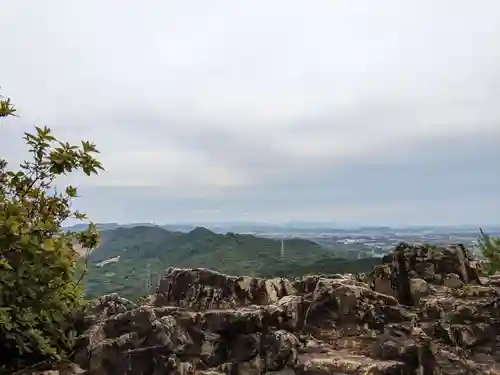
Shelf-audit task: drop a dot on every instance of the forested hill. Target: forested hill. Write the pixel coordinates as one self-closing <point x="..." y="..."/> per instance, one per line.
<point x="144" y="250"/>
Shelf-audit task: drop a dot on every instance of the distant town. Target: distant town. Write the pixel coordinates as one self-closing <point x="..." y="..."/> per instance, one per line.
<point x="378" y="241"/>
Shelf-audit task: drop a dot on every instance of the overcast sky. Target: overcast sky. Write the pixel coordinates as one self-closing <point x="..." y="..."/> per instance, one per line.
<point x="355" y="111"/>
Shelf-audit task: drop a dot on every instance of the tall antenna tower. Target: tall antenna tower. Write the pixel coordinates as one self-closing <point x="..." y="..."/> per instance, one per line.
<point x="148" y="280"/>
<point x="282" y="251"/>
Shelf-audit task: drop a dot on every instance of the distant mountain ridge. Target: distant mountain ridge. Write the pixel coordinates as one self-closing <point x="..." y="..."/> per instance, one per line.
<point x="146" y="251"/>
<point x="292" y="227"/>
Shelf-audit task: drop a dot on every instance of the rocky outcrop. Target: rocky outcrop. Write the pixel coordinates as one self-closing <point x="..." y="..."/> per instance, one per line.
<point x="422" y="311"/>
<point x="451" y="265"/>
<point x="206" y="289"/>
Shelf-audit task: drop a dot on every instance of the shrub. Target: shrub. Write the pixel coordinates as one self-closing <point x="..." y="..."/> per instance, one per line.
<point x="490" y="247"/>
<point x="39" y="286"/>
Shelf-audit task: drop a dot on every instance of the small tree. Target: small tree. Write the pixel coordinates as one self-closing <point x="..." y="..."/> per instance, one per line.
<point x="490" y="247"/>
<point x="39" y="286"/>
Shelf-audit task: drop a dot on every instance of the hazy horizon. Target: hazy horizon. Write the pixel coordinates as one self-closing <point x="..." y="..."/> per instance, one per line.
<point x="381" y="113"/>
<point x="297" y="224"/>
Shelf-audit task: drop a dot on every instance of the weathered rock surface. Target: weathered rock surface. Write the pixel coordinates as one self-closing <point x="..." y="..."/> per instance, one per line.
<point x="422" y="311"/>
<point x="206" y="289"/>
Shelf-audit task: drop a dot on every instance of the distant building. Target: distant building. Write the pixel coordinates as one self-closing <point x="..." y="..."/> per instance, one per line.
<point x="107" y="261"/>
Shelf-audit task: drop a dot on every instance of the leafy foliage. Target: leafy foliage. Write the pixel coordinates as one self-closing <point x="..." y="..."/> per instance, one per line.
<point x="490" y="247"/>
<point x="39" y="287"/>
<point x="147" y="247"/>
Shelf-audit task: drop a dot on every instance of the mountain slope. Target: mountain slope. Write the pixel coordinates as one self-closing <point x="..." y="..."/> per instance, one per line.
<point x="144" y="250"/>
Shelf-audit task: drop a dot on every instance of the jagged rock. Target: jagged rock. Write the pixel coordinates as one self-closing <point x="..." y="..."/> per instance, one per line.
<point x="432" y="264"/>
<point x="107" y="306"/>
<point x="404" y="318"/>
<point x="452" y="280"/>
<point x="418" y="289"/>
<point x="207" y="289"/>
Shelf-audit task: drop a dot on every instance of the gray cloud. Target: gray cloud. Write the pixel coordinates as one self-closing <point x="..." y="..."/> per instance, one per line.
<point x="452" y="181"/>
<point x="367" y="111"/>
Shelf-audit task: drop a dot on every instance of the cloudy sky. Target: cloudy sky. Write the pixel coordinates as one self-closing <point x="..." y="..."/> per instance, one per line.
<point x="346" y="111"/>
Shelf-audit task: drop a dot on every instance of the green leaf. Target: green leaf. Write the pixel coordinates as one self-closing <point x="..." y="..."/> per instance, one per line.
<point x="71" y="191"/>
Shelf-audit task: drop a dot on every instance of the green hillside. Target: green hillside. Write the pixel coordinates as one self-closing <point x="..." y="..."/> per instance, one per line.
<point x="231" y="253"/>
